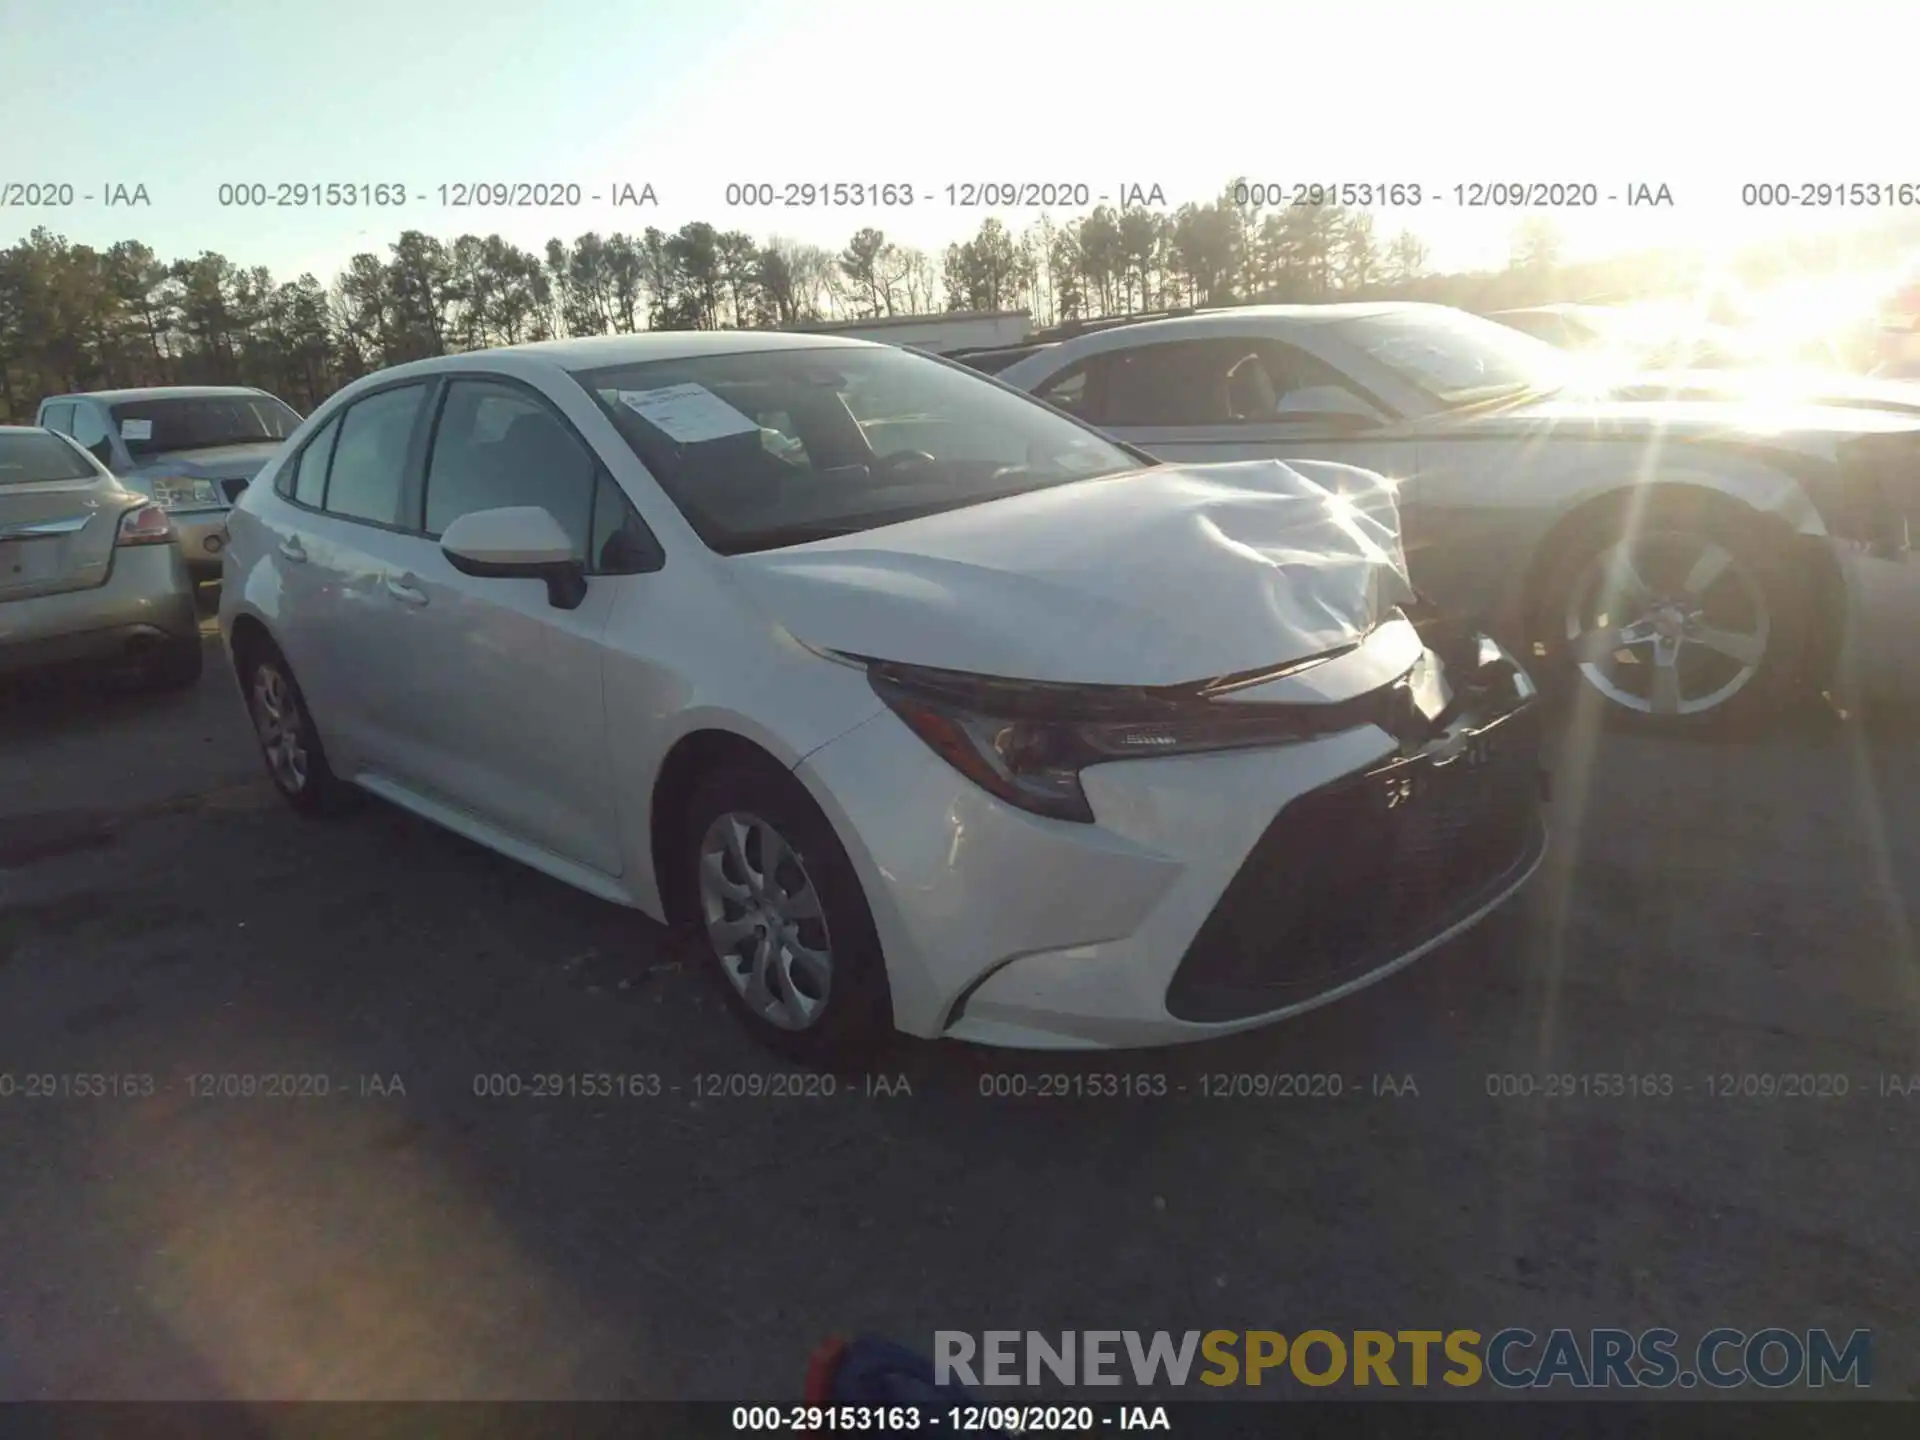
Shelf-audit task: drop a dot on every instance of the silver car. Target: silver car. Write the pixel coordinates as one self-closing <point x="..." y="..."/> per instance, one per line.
<point x="90" y="571"/>
<point x="191" y="448"/>
<point x="1682" y="551"/>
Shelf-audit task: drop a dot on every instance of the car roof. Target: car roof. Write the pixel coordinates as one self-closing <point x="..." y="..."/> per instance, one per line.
<point x="1238" y="317"/>
<point x="24" y="430"/>
<point x="1558" y="307"/>
<point x="159" y="392"/>
<point x="593" y="351"/>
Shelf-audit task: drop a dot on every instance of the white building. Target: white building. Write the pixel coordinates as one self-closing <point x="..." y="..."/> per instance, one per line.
<point x="971" y="330"/>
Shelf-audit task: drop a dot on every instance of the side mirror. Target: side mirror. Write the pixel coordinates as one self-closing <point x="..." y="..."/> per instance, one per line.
<point x="102" y="450"/>
<point x="518" y="542"/>
<point x="1330" y="404"/>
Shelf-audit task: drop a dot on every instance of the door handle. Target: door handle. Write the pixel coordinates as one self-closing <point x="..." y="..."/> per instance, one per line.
<point x="294" y="550"/>
<point x="406" y="589"/>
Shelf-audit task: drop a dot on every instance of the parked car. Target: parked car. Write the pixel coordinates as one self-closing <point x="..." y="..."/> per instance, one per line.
<point x="191" y="448"/>
<point x="1683" y="559"/>
<point x="944" y="711"/>
<point x="89" y="570"/>
<point x="1634" y="339"/>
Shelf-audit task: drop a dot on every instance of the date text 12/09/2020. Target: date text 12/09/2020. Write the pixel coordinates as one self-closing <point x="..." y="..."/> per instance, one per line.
<point x="454" y="195"/>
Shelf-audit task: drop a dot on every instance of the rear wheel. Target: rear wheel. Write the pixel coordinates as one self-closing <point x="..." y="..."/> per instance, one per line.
<point x="295" y="759"/>
<point x="1691" y="617"/>
<point x="785" y="919"/>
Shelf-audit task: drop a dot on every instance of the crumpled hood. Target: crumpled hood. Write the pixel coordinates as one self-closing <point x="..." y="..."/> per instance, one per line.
<point x="220" y="462"/>
<point x="1156" y="577"/>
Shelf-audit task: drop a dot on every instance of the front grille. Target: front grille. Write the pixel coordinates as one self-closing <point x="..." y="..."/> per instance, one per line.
<point x="1360" y="871"/>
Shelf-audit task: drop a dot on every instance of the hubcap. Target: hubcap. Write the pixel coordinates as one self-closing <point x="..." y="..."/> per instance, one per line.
<point x="281" y="728"/>
<point x="764" y="920"/>
<point x="1668" y="623"/>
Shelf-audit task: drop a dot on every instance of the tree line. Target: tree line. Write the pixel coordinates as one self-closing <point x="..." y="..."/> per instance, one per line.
<point x="73" y="317"/>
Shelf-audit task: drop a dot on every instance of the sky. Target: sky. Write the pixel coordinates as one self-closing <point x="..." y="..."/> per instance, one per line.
<point x="183" y="96"/>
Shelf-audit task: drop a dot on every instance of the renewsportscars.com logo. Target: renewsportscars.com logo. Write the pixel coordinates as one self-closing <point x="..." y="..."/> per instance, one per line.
<point x="1513" y="1359"/>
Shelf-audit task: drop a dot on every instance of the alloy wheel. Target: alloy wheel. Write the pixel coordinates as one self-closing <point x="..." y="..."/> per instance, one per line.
<point x="281" y="727"/>
<point x="1668" y="623"/>
<point x="765" y="921"/>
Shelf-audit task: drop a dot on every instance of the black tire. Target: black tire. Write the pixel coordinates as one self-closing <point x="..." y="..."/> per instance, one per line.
<point x="1764" y="566"/>
<point x="855" y="1019"/>
<point x="177" y="665"/>
<point x="312" y="789"/>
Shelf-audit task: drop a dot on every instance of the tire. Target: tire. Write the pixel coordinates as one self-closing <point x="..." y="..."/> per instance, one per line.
<point x="836" y="1016"/>
<point x="274" y="700"/>
<point x="178" y="665"/>
<point x="1710" y="619"/>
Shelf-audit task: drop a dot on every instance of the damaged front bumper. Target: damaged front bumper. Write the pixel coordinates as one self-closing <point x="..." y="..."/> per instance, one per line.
<point x="1209" y="892"/>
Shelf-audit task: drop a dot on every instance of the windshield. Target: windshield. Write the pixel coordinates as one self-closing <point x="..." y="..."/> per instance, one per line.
<point x="780" y="447"/>
<point x="27" y="456"/>
<point x="1455" y="357"/>
<point x="202" y="422"/>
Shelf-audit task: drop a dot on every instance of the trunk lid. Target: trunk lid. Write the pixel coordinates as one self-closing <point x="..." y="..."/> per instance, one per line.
<point x="57" y="535"/>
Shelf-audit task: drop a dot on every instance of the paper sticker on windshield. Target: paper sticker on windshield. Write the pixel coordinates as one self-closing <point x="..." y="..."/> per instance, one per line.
<point x="136" y="429"/>
<point x="688" y="413"/>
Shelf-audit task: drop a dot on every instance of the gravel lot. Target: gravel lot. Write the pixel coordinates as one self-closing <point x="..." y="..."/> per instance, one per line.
<point x="1708" y="909"/>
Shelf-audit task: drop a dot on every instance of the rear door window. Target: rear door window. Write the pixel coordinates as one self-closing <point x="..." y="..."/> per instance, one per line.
<point x="305" y="482"/>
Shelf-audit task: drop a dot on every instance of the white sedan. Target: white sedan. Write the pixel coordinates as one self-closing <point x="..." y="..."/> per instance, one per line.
<point x="934" y="708"/>
<point x="1685" y="557"/>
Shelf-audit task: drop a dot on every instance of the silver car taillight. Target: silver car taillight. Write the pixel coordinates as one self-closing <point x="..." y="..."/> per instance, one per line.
<point x="147" y="525"/>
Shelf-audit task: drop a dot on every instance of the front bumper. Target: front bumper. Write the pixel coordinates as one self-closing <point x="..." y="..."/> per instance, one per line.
<point x="1880" y="638"/>
<point x="146" y="600"/>
<point x="203" y="538"/>
<point x="1210" y="896"/>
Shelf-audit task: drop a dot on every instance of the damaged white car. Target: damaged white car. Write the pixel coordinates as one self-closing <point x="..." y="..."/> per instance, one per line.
<point x="930" y="706"/>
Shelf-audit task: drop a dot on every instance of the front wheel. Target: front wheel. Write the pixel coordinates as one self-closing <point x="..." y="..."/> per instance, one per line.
<point x="1690" y="617"/>
<point x="785" y="919"/>
<point x="289" y="744"/>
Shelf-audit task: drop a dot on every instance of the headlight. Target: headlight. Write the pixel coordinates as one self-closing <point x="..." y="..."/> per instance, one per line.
<point x="1027" y="742"/>
<point x="178" y="492"/>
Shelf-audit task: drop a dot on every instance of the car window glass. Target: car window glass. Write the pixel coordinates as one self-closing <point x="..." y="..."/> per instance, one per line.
<point x="203" y="422"/>
<point x="1293" y="370"/>
<point x="29" y="456"/>
<point x="308" y="481"/>
<point x="622" y="543"/>
<point x="88" y="426"/>
<point x="883" y="435"/>
<point x="59" y="417"/>
<point x="780" y="436"/>
<point x="370" y="457"/>
<point x="1067" y="392"/>
<point x="497" y="445"/>
<point x="1186" y="382"/>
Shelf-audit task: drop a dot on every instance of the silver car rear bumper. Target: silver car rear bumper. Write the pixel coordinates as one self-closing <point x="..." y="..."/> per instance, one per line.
<point x="147" y="600"/>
